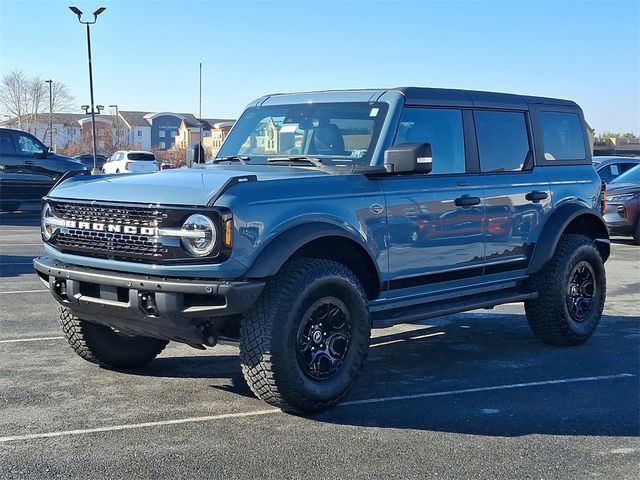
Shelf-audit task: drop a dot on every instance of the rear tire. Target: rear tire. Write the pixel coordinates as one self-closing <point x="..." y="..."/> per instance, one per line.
<point x="104" y="346"/>
<point x="306" y="339"/>
<point x="571" y="293"/>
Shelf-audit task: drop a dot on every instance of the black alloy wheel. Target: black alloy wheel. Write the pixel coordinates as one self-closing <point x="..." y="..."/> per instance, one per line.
<point x="323" y="338"/>
<point x="580" y="290"/>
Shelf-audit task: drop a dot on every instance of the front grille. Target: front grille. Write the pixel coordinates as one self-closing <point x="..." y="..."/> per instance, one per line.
<point x="134" y="216"/>
<point x="110" y="245"/>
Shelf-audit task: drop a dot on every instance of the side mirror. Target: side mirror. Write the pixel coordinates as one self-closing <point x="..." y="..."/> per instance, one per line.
<point x="195" y="154"/>
<point x="408" y="157"/>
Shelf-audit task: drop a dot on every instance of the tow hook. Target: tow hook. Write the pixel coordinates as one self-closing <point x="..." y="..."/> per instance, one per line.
<point x="147" y="303"/>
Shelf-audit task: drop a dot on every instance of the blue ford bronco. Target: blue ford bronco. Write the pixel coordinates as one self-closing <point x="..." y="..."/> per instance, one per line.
<point x="327" y="214"/>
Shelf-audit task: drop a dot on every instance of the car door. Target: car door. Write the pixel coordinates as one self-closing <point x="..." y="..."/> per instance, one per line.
<point x="435" y="220"/>
<point x="517" y="195"/>
<point x="41" y="170"/>
<point x="11" y="166"/>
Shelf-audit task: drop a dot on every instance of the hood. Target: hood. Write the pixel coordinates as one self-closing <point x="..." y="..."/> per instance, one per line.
<point x="184" y="186"/>
<point x="621" y="188"/>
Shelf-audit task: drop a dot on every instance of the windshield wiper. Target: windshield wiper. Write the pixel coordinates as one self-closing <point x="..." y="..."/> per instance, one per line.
<point x="316" y="162"/>
<point x="232" y="158"/>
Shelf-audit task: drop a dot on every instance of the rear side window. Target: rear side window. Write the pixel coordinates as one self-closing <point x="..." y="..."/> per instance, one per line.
<point x="562" y="136"/>
<point x="503" y="143"/>
<point x="141" y="156"/>
<point x="6" y="144"/>
<point x="442" y="129"/>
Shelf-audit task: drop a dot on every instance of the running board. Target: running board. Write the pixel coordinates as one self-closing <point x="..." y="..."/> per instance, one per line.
<point x="440" y="308"/>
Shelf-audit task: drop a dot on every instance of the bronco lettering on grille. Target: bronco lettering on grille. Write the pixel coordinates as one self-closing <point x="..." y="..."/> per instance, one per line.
<point x="110" y="227"/>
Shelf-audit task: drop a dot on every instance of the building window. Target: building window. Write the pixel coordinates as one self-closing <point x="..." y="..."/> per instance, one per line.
<point x="55" y="130"/>
<point x="139" y="133"/>
<point x="161" y="133"/>
<point x="161" y="144"/>
<point x="100" y="132"/>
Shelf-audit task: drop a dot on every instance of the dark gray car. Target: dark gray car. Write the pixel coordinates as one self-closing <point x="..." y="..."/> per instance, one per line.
<point x="28" y="168"/>
<point x="623" y="205"/>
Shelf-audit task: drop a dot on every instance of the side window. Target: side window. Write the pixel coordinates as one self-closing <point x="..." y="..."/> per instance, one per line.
<point x="28" y="146"/>
<point x="606" y="173"/>
<point x="442" y="129"/>
<point x="562" y="136"/>
<point x="503" y="143"/>
<point x="6" y="144"/>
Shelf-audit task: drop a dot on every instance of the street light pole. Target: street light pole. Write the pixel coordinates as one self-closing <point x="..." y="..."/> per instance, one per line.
<point x="50" y="82"/>
<point x="116" y="125"/>
<point x="78" y="12"/>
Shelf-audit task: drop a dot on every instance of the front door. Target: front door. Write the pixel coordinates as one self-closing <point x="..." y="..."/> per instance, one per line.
<point x="435" y="220"/>
<point x="41" y="170"/>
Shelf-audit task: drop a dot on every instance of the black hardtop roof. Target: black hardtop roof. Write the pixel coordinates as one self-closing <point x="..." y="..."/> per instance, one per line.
<point x="473" y="98"/>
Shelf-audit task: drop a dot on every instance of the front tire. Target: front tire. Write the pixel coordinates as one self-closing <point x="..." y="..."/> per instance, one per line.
<point x="306" y="339"/>
<point x="104" y="346"/>
<point x="571" y="293"/>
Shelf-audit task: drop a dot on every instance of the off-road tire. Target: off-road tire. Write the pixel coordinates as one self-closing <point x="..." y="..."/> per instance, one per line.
<point x="103" y="346"/>
<point x="269" y="335"/>
<point x="549" y="315"/>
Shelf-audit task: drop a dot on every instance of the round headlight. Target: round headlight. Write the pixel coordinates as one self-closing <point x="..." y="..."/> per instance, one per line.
<point x="48" y="225"/>
<point x="203" y="240"/>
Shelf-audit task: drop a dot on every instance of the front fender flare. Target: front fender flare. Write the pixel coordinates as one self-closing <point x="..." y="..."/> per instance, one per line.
<point x="281" y="248"/>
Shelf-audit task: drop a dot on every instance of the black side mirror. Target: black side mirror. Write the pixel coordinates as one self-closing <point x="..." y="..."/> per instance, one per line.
<point x="408" y="157"/>
<point x="195" y="154"/>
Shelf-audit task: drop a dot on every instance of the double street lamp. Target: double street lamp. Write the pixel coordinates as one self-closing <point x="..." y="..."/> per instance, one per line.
<point x="78" y="12"/>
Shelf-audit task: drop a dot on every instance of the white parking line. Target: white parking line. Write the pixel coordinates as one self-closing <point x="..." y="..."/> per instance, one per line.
<point x="23" y="291"/>
<point x="256" y="413"/>
<point x="486" y="389"/>
<point x="38" y="339"/>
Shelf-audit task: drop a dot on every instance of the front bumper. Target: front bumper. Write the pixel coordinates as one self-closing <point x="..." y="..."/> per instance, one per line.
<point x="175" y="309"/>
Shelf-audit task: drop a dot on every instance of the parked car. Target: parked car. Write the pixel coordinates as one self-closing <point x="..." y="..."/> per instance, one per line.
<point x="623" y="205"/>
<point x="609" y="168"/>
<point x="131" y="162"/>
<point x="28" y="168"/>
<point x="87" y="160"/>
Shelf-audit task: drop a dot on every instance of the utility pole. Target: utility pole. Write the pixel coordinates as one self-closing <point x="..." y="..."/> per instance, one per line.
<point x="50" y="82"/>
<point x="200" y="160"/>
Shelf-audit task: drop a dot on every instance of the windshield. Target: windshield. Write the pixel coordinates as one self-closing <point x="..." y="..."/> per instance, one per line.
<point x="630" y="176"/>
<point x="336" y="133"/>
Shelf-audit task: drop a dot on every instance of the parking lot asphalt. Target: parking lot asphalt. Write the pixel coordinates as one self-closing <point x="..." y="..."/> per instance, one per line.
<point x="472" y="395"/>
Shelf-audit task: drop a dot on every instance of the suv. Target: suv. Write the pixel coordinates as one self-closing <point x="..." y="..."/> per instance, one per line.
<point x="327" y="214"/>
<point x="131" y="162"/>
<point x="28" y="168"/>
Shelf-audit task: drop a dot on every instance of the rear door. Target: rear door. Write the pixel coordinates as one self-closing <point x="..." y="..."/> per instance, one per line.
<point x="517" y="195"/>
<point x="435" y="220"/>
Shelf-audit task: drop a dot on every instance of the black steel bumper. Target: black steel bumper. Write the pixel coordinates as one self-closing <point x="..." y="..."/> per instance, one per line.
<point x="170" y="308"/>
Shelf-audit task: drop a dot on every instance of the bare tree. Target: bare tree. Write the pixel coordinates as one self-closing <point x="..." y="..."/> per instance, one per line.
<point x="24" y="98"/>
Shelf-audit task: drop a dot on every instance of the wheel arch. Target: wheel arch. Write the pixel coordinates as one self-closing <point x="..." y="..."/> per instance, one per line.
<point x="319" y="240"/>
<point x="569" y="219"/>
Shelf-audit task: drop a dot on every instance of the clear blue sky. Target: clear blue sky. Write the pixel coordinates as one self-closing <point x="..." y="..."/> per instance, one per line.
<point x="146" y="53"/>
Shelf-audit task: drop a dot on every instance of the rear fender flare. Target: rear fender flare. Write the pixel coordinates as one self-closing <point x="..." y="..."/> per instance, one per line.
<point x="557" y="225"/>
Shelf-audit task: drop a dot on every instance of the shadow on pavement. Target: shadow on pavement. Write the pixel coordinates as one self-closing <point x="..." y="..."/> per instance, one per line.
<point x="476" y="350"/>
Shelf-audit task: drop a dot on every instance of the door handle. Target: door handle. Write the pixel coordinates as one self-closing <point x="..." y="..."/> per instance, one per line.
<point x="536" y="196"/>
<point x="467" y="201"/>
<point x="28" y="162"/>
